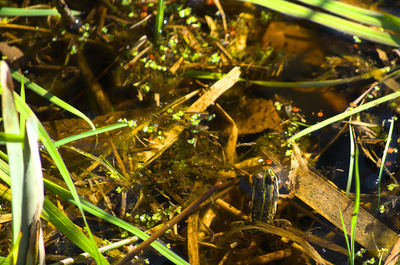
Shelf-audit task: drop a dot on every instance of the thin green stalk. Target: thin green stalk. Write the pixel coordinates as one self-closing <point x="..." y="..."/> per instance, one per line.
<point x="351" y="244"/>
<point x="383" y="160"/>
<point x="321" y="83"/>
<point x="356" y="206"/>
<point x="94" y="132"/>
<point x="159" y="20"/>
<point x="351" y="163"/>
<point x="344" y="115"/>
<point x="33" y="12"/>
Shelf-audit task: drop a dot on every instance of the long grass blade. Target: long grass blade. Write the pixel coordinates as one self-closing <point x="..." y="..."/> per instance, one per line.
<point x="32" y="243"/>
<point x="383" y="160"/>
<point x="91" y="133"/>
<point x="319" y="83"/>
<point x="337" y="23"/>
<point x="362" y="15"/>
<point x="69" y="229"/>
<point x="25" y="12"/>
<point x="14" y="150"/>
<point x="351" y="162"/>
<point x="345" y="114"/>
<point x="57" y="101"/>
<point x="355" y="208"/>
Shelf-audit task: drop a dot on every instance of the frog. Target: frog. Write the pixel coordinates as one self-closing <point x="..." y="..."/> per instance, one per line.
<point x="264" y="196"/>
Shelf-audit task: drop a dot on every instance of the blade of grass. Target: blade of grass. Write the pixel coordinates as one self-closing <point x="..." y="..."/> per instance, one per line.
<point x="10" y="137"/>
<point x="57" y="101"/>
<point x="25" y="12"/>
<point x="94" y="132"/>
<point x="69" y="229"/>
<point x="33" y="195"/>
<point x="333" y="82"/>
<point x="159" y="20"/>
<point x="351" y="162"/>
<point x="14" y="150"/>
<point x="345" y="233"/>
<point x="362" y="15"/>
<point x="345" y="114"/>
<point x="356" y="206"/>
<point x="383" y="160"/>
<point x="351" y="244"/>
<point x="340" y="24"/>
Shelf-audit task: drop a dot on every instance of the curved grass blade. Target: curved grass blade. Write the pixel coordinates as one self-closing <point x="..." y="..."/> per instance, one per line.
<point x="25" y="12"/>
<point x="69" y="229"/>
<point x="57" y="101"/>
<point x="362" y="15"/>
<point x="345" y="114"/>
<point x="331" y="21"/>
<point x="93" y="132"/>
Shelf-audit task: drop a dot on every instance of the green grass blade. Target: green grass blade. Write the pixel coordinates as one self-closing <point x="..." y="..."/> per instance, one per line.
<point x="14" y="150"/>
<point x="91" y="133"/>
<point x="331" y="21"/>
<point x="31" y="248"/>
<point x="114" y="173"/>
<point x="351" y="162"/>
<point x="323" y="83"/>
<point x="159" y="20"/>
<point x="22" y="121"/>
<point x="25" y="12"/>
<point x="10" y="137"/>
<point x="358" y="14"/>
<point x="57" y="101"/>
<point x="69" y="229"/>
<point x="356" y="208"/>
<point x="96" y="211"/>
<point x="385" y="151"/>
<point x="345" y="114"/>
<point x="345" y="233"/>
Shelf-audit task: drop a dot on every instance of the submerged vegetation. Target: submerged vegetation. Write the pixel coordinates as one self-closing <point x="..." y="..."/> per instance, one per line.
<point x="230" y="115"/>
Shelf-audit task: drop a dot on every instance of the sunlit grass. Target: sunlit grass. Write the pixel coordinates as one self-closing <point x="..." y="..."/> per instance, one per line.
<point x="353" y="25"/>
<point x="345" y="115"/>
<point x="50" y="212"/>
<point x="383" y="160"/>
<point x="33" y="12"/>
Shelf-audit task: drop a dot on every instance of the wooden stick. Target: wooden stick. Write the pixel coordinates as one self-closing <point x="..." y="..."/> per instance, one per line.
<point x="328" y="201"/>
<point x="170" y="224"/>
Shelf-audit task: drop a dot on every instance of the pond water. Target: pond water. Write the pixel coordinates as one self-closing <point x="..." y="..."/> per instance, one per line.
<point x="139" y="176"/>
